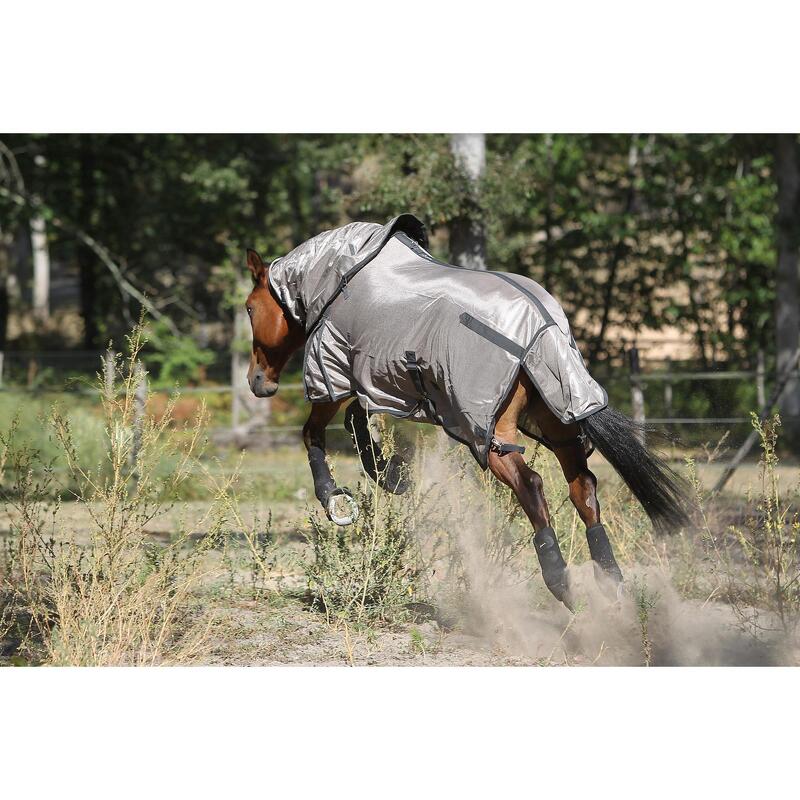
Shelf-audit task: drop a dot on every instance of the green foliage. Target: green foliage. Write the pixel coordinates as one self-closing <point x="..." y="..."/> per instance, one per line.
<point x="641" y="230"/>
<point x="179" y="359"/>
<point x="110" y="594"/>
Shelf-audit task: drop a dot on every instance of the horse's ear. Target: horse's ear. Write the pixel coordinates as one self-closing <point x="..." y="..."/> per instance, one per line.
<point x="256" y="265"/>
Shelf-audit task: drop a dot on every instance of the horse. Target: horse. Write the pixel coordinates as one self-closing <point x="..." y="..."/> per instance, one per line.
<point x="288" y="310"/>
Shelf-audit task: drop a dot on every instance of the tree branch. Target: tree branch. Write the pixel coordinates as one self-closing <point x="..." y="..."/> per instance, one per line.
<point x="98" y="249"/>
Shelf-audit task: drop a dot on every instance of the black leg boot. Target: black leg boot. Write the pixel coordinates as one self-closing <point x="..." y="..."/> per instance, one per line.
<point x="601" y="552"/>
<point x="390" y="473"/>
<point x="554" y="568"/>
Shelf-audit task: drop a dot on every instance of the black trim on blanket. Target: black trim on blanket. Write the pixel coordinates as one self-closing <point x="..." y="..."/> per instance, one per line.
<point x="542" y="310"/>
<point x="408" y="221"/>
<point x="414" y="247"/>
<point x="491" y="335"/>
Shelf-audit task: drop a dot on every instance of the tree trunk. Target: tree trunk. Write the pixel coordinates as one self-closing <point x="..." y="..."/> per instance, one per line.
<point x="41" y="269"/>
<point x="787" y="283"/>
<point x="87" y="261"/>
<point x="620" y="250"/>
<point x="467" y="234"/>
<point x="5" y="269"/>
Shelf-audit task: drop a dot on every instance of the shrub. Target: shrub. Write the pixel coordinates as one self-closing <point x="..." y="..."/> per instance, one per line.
<point x="112" y="595"/>
<point x="367" y="571"/>
<point x="760" y="566"/>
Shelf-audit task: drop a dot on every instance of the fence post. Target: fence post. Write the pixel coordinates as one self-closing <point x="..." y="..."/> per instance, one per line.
<point x="238" y="369"/>
<point x="139" y="409"/>
<point x="109" y="372"/>
<point x="668" y="391"/>
<point x="637" y="395"/>
<point x="2" y="362"/>
<point x="760" y="374"/>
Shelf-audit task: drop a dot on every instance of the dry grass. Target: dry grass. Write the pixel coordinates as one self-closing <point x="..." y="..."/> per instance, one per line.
<point x="118" y="598"/>
<point x="456" y="548"/>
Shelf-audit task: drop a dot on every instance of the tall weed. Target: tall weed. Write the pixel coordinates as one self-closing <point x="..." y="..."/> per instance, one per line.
<point x="109" y="595"/>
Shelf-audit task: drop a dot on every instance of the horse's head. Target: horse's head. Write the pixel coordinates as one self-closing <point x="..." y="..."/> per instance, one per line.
<point x="275" y="336"/>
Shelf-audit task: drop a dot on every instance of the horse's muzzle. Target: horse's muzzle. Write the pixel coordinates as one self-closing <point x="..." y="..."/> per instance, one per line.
<point x="260" y="386"/>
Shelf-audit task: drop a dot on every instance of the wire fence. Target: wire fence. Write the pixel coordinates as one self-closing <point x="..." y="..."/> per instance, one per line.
<point x="697" y="405"/>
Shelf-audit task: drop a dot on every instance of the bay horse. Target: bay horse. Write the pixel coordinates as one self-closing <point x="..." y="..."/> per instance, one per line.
<point x="277" y="334"/>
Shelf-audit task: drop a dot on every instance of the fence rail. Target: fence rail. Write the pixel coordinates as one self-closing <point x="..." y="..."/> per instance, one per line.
<point x="241" y="399"/>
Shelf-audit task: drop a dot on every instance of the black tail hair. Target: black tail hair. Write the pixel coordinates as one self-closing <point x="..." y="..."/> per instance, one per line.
<point x="663" y="493"/>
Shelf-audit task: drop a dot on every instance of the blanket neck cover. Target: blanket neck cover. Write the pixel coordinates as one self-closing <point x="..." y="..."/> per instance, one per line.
<point x="420" y="339"/>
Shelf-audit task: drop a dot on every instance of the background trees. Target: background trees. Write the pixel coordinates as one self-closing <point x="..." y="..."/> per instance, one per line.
<point x="630" y="232"/>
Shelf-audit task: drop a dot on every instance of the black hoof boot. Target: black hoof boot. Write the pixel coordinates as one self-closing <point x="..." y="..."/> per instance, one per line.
<point x="390" y="473"/>
<point x="392" y="477"/>
<point x="554" y="568"/>
<point x="603" y="556"/>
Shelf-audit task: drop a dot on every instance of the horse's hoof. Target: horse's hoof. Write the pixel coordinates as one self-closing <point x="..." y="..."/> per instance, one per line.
<point x="562" y="591"/>
<point x="607" y="573"/>
<point x="609" y="581"/>
<point x="341" y="519"/>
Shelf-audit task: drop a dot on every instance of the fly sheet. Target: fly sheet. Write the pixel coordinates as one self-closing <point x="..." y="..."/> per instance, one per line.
<point x="417" y="338"/>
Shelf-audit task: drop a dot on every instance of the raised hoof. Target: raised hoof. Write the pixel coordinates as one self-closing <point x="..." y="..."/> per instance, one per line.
<point x="337" y="499"/>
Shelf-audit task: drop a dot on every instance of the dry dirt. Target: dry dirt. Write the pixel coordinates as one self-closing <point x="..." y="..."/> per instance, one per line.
<point x="512" y="626"/>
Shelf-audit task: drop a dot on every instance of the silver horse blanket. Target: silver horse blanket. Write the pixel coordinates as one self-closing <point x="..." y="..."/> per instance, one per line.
<point x="420" y="339"/>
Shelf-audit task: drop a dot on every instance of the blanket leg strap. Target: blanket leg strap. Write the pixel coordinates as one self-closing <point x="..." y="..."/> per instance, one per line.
<point x="415" y="372"/>
<point x="503" y="448"/>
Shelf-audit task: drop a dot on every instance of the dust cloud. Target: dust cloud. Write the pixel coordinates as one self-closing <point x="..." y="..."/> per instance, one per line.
<point x="503" y="601"/>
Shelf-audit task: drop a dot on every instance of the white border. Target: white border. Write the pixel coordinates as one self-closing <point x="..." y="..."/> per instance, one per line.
<point x="411" y="66"/>
<point x="419" y="65"/>
<point x="399" y="733"/>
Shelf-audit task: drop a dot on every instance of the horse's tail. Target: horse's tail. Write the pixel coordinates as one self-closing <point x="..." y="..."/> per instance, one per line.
<point x="663" y="493"/>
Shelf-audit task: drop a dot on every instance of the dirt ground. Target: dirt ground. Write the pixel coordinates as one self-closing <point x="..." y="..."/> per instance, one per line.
<point x="276" y="626"/>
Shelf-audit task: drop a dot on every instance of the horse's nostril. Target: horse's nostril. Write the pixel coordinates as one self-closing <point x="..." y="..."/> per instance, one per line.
<point x="261" y="387"/>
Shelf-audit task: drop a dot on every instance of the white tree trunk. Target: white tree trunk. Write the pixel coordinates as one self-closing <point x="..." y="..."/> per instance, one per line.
<point x="467" y="235"/>
<point x="787" y="280"/>
<point x="41" y="269"/>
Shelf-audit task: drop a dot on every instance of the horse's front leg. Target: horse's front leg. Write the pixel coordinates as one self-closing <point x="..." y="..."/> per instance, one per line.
<point x="325" y="487"/>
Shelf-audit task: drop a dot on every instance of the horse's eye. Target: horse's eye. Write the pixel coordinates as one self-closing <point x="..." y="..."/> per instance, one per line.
<point x="249" y="311"/>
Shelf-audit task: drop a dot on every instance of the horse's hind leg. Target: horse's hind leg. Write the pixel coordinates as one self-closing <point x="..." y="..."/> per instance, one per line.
<point x="512" y="470"/>
<point x="582" y="482"/>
